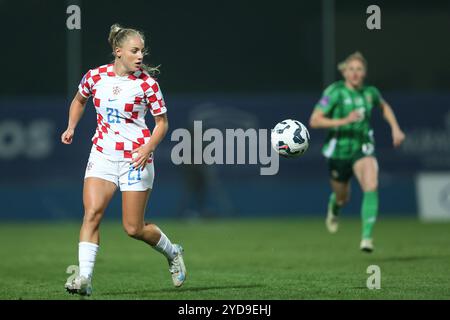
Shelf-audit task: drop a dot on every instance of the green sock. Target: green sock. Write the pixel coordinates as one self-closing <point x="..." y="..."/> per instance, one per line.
<point x="369" y="211"/>
<point x="335" y="208"/>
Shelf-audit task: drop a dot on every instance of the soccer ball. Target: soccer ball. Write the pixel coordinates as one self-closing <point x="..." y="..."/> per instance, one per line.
<point x="290" y="138"/>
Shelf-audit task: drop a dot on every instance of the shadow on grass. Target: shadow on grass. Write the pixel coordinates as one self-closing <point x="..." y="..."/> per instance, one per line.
<point x="183" y="289"/>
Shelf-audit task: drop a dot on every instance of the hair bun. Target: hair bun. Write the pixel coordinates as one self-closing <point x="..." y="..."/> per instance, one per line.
<point x="115" y="29"/>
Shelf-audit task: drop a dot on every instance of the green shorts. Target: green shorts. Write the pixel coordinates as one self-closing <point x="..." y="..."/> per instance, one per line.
<point x="342" y="169"/>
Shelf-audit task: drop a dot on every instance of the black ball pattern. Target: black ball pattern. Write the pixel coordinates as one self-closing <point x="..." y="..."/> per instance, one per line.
<point x="283" y="147"/>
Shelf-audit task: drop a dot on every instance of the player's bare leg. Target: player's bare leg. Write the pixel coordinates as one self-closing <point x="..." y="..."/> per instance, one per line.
<point x="97" y="193"/>
<point x="133" y="211"/>
<point x="366" y="171"/>
<point x="339" y="197"/>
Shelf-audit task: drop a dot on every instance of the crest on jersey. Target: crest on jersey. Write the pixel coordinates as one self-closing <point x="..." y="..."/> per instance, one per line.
<point x="116" y="90"/>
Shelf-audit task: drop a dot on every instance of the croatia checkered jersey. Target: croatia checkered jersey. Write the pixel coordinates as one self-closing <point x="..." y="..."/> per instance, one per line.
<point x="121" y="104"/>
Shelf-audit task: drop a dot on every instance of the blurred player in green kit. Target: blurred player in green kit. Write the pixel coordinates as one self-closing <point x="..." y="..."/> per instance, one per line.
<point x="345" y="110"/>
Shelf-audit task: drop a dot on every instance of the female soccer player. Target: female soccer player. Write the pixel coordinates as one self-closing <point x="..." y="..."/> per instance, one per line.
<point x="121" y="154"/>
<point x="345" y="110"/>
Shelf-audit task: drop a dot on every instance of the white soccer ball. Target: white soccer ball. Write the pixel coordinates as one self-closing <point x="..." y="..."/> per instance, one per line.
<point x="290" y="138"/>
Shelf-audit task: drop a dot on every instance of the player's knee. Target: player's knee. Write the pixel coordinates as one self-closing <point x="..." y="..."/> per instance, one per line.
<point x="133" y="231"/>
<point x="92" y="216"/>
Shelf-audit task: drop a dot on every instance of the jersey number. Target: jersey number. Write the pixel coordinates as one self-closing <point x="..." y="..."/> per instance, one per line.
<point x="113" y="115"/>
<point x="134" y="175"/>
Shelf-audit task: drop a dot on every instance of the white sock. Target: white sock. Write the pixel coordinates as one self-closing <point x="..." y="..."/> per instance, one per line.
<point x="165" y="246"/>
<point x="86" y="257"/>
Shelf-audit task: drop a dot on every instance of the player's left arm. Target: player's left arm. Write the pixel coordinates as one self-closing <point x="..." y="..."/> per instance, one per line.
<point x="159" y="132"/>
<point x="398" y="136"/>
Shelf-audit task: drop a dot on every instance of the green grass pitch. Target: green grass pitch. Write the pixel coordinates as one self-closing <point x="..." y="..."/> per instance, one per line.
<point x="282" y="258"/>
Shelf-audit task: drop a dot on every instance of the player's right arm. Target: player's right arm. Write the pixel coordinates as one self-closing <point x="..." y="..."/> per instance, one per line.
<point x="320" y="119"/>
<point x="76" y="111"/>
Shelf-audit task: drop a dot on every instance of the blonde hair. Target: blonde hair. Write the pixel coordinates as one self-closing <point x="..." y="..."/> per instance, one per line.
<point x="354" y="56"/>
<point x="117" y="37"/>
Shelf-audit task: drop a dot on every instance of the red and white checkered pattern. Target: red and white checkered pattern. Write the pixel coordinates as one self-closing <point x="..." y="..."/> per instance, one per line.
<point x="121" y="104"/>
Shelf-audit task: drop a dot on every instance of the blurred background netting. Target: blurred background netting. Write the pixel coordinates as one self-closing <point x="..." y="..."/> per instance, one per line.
<point x="255" y="62"/>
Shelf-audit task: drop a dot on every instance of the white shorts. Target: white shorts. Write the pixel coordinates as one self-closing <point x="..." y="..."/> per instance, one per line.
<point x="121" y="173"/>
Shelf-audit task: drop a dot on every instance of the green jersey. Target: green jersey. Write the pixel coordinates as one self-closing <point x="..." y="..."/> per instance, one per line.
<point x="346" y="142"/>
